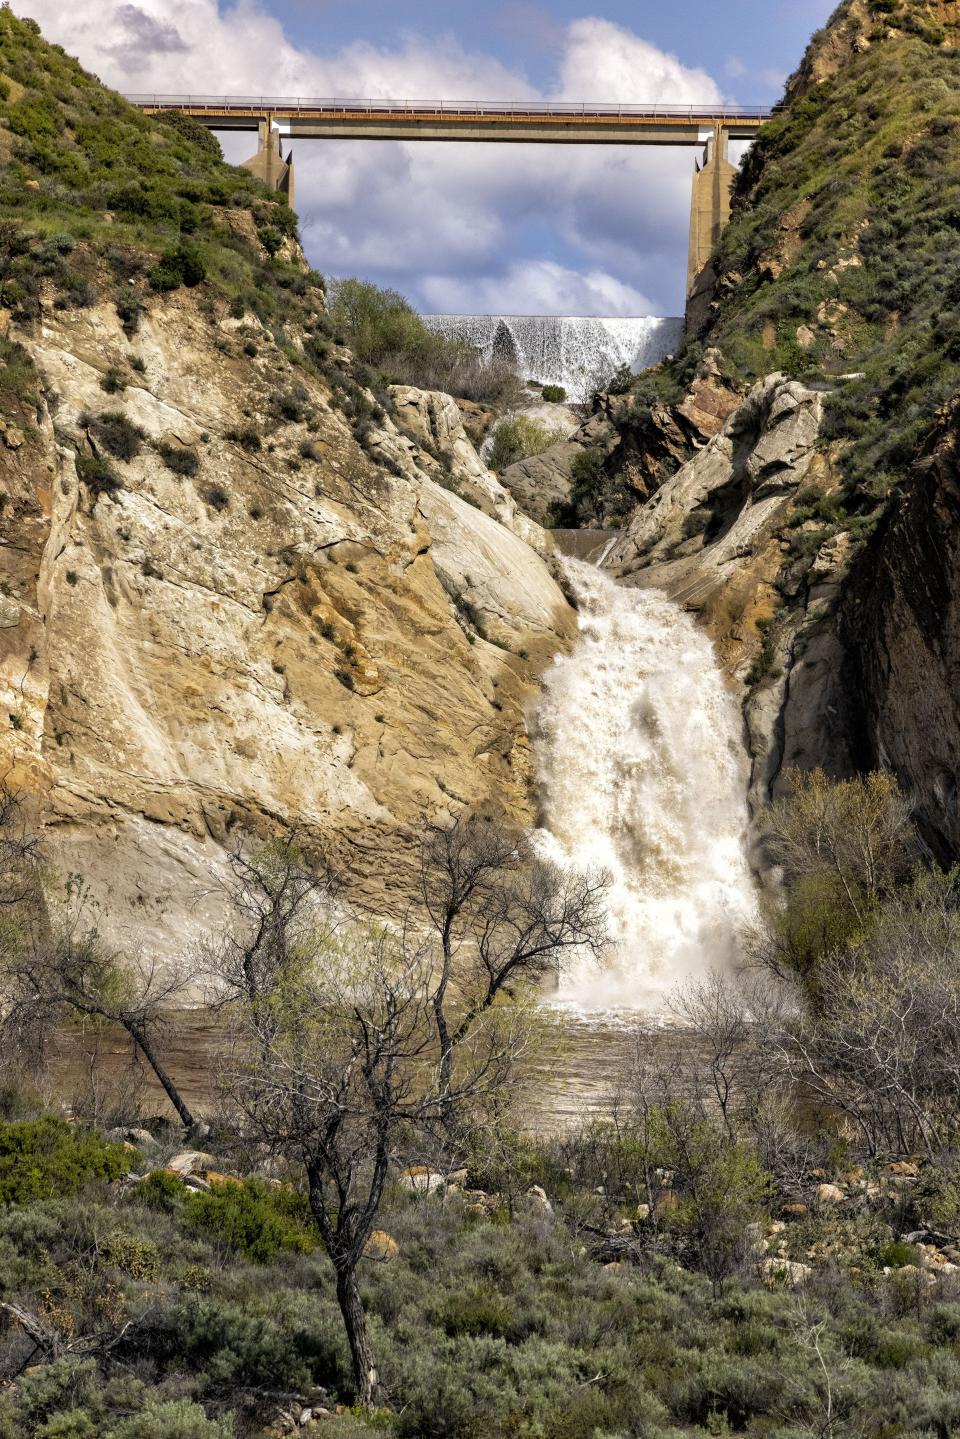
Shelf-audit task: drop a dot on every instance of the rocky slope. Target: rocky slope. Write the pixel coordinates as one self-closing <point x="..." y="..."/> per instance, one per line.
<point x="793" y="466"/>
<point x="293" y="634"/>
<point x="243" y="584"/>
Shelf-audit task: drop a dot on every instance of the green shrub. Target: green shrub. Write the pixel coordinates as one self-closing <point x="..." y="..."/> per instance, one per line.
<point x="116" y="433"/>
<point x="179" y="265"/>
<point x="518" y="438"/>
<point x="98" y="475"/>
<point x="129" y="312"/>
<point x="252" y="1219"/>
<point x="160" y="1190"/>
<point x="47" y="1158"/>
<point x="171" y="1419"/>
<point x="179" y="458"/>
<point x="554" y="394"/>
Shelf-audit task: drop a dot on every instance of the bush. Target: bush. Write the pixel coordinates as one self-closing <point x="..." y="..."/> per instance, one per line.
<point x="247" y="437"/>
<point x="554" y="394"/>
<point x="217" y="498"/>
<point x="47" y="1158"/>
<point x="518" y="438"/>
<point x="116" y="433"/>
<point x="179" y="265"/>
<point x="98" y="475"/>
<point x="291" y="404"/>
<point x="252" y="1219"/>
<point x="383" y="330"/>
<point x="171" y="1419"/>
<point x="129" y="311"/>
<point x="113" y="380"/>
<point x="179" y="459"/>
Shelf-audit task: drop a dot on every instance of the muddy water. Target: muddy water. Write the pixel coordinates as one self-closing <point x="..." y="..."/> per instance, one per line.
<point x="576" y="1075"/>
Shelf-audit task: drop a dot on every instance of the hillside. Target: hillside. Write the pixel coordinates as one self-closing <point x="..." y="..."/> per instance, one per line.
<point x="246" y="583"/>
<point x="822" y="554"/>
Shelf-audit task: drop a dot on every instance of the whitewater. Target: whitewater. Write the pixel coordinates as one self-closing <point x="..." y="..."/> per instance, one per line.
<point x="577" y="352"/>
<point x="642" y="772"/>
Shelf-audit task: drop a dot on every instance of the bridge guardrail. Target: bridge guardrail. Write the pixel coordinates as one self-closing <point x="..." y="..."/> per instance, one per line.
<point x="224" y="104"/>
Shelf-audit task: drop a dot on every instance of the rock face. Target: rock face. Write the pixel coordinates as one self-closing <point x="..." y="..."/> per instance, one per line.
<point x="900" y="625"/>
<point x="292" y="634"/>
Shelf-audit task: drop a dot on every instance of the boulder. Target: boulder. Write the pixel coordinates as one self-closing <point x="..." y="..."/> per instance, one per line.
<point x="830" y="1194"/>
<point x="139" y="1138"/>
<point x="538" y="1201"/>
<point x="421" y="1179"/>
<point x="381" y="1245"/>
<point x="784" y="1272"/>
<point x="191" y="1161"/>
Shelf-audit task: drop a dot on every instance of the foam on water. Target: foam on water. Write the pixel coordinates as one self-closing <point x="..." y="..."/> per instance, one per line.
<point x="576" y="352"/>
<point x="641" y="769"/>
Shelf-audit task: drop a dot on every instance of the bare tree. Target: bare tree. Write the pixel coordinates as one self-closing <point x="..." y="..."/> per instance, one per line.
<point x="21" y="856"/>
<point x="57" y="964"/>
<point x="280" y="917"/>
<point x="336" y="1069"/>
<point x="503" y="918"/>
<point x="884" y="1045"/>
<point x="856" y="831"/>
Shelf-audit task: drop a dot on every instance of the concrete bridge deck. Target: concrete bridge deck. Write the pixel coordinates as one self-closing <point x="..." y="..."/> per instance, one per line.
<point x="275" y="118"/>
<point x="471" y="121"/>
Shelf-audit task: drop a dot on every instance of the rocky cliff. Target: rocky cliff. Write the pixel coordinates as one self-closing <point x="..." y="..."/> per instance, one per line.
<point x="292" y="634"/>
<point x="242" y="583"/>
<point x="791" y="472"/>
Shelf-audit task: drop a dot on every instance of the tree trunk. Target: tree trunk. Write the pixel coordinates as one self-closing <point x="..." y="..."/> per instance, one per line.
<point x="361" y="1350"/>
<point x="143" y="1043"/>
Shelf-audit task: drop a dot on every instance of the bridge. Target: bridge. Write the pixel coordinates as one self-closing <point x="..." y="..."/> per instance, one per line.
<point x="276" y="118"/>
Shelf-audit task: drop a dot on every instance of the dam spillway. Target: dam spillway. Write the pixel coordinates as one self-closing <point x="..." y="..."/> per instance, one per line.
<point x="577" y="352"/>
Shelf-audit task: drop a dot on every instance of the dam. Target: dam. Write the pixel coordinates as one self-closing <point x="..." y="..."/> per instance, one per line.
<point x="581" y="353"/>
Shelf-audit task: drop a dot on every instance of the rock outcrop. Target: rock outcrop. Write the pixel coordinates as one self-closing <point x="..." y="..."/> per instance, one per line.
<point x="717" y="537"/>
<point x="900" y="627"/>
<point x="292" y="634"/>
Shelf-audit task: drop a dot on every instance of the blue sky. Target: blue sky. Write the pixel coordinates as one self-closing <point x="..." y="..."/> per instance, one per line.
<point x="486" y="228"/>
<point x="748" y="45"/>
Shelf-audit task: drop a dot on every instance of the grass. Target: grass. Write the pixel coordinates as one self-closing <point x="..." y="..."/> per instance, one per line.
<point x="518" y="438"/>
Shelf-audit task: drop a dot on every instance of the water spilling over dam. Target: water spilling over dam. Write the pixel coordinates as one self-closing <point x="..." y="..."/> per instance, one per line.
<point x="577" y="352"/>
<point x="641" y="771"/>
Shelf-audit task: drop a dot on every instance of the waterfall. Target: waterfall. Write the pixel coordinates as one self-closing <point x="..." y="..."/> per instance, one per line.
<point x="641" y="771"/>
<point x="577" y="352"/>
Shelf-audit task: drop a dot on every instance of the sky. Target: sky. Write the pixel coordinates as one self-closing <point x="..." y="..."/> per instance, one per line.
<point x="508" y="229"/>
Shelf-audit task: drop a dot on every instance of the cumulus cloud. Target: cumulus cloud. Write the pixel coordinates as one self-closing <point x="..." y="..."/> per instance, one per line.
<point x="537" y="287"/>
<point x="442" y="222"/>
<point x="603" y="61"/>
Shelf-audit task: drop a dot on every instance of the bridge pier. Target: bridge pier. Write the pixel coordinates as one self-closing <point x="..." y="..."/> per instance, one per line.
<point x="710" y="204"/>
<point x="268" y="163"/>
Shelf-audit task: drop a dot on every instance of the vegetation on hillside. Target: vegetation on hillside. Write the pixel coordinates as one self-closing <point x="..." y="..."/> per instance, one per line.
<point x="759" y="1236"/>
<point x="100" y="202"/>
<point x="384" y="331"/>
<point x="841" y="257"/>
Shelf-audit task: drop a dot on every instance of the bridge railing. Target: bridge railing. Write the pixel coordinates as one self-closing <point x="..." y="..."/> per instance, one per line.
<point x="225" y="104"/>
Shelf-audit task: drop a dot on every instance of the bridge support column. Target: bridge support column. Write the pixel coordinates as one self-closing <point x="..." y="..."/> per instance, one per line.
<point x="710" y="206"/>
<point x="268" y="163"/>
